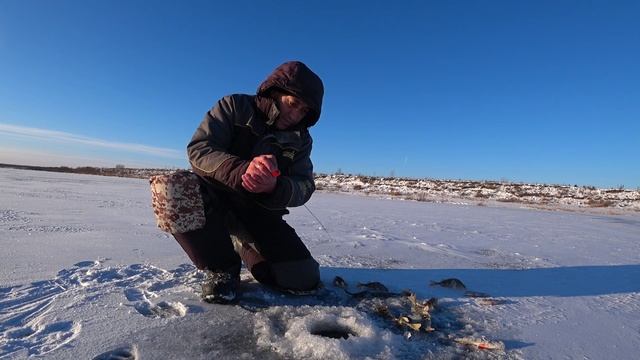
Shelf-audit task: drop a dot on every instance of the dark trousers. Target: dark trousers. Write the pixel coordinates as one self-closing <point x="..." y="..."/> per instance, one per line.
<point x="288" y="263"/>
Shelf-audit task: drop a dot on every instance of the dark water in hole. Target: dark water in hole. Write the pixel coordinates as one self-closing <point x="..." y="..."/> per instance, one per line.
<point x="333" y="333"/>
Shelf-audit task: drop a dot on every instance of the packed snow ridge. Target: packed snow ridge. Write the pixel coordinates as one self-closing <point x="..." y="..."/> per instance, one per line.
<point x="482" y="191"/>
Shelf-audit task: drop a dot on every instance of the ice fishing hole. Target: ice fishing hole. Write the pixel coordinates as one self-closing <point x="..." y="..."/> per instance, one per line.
<point x="332" y="330"/>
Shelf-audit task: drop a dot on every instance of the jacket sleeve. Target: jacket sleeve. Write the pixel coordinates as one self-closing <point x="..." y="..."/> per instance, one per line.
<point x="208" y="147"/>
<point x="296" y="188"/>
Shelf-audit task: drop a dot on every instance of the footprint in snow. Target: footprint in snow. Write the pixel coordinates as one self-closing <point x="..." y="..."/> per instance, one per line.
<point x="85" y="264"/>
<point x="39" y="337"/>
<point x="26" y="323"/>
<point x="126" y="352"/>
<point x="163" y="309"/>
<point x="144" y="306"/>
<point x="134" y="294"/>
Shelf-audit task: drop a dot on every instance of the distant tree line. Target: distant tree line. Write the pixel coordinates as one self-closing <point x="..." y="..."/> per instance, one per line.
<point x="118" y="170"/>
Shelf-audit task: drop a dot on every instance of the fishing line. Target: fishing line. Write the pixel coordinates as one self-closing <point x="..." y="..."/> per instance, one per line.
<point x="319" y="222"/>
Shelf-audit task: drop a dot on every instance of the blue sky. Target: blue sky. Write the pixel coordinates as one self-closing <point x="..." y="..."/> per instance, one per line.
<point x="531" y="91"/>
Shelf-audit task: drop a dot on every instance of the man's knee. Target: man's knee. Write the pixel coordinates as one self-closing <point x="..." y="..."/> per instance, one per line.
<point x="297" y="274"/>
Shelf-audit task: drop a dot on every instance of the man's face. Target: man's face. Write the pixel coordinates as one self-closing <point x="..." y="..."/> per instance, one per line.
<point x="292" y="111"/>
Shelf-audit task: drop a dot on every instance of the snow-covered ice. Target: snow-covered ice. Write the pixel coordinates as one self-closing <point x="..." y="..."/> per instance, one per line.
<point x="86" y="274"/>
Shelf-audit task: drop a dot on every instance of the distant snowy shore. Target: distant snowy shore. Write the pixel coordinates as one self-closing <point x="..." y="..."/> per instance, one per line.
<point x="540" y="195"/>
<point x="544" y="196"/>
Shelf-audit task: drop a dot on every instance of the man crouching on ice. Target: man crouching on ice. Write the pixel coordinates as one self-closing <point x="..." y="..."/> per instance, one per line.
<point x="252" y="154"/>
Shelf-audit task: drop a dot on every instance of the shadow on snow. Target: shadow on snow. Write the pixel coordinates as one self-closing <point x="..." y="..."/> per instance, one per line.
<point x="558" y="281"/>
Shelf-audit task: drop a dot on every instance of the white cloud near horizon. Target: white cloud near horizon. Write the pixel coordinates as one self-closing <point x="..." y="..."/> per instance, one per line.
<point x="64" y="137"/>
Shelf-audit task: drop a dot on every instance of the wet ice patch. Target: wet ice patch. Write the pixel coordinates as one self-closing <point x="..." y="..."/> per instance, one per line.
<point x="322" y="332"/>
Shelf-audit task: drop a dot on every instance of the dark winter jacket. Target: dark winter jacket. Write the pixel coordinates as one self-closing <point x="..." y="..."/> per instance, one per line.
<point x="240" y="127"/>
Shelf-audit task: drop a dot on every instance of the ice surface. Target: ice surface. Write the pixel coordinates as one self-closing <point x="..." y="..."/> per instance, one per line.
<point x="85" y="273"/>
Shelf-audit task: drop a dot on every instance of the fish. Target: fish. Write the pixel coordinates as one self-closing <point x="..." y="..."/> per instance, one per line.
<point x="481" y="344"/>
<point x="374" y="285"/>
<point x="476" y="294"/>
<point x="432" y="303"/>
<point x="339" y="282"/>
<point x="452" y="283"/>
<point x="405" y="321"/>
<point x="422" y="308"/>
<point x="382" y="310"/>
<point x="491" y="302"/>
<point x="414" y="321"/>
<point x="371" y="289"/>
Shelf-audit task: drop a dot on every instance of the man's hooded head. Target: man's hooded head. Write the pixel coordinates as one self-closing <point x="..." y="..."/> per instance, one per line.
<point x="296" y="79"/>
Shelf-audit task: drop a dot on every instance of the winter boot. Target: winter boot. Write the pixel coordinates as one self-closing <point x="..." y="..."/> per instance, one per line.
<point x="220" y="287"/>
<point x="254" y="261"/>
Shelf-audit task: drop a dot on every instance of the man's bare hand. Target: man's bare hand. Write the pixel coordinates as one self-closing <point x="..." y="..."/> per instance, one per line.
<point x="259" y="176"/>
